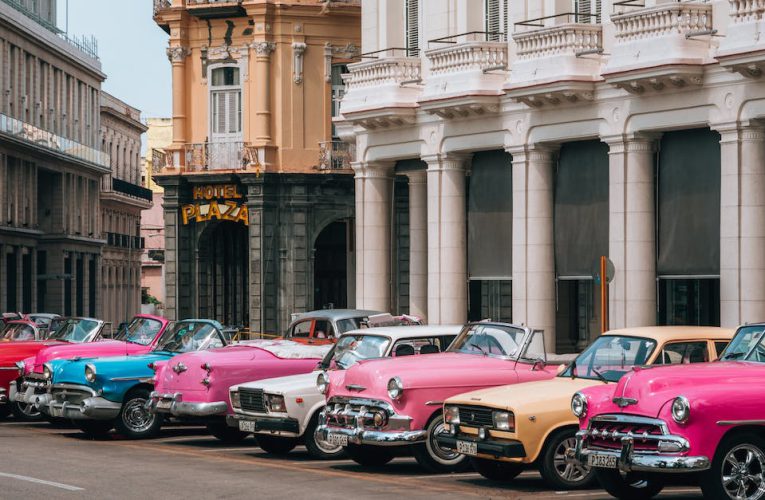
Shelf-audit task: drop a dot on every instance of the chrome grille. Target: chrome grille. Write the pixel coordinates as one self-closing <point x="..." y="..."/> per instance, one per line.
<point x="72" y="396"/>
<point x="607" y="434"/>
<point x="252" y="400"/>
<point x="341" y="412"/>
<point x="475" y="416"/>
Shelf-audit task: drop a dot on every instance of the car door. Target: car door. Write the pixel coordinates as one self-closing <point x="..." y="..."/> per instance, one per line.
<point x="683" y="352"/>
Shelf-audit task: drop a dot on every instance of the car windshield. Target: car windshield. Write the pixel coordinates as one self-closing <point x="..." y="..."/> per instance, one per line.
<point x="610" y="357"/>
<point x="352" y="348"/>
<point x="503" y="341"/>
<point x="75" y="330"/>
<point x="748" y="344"/>
<point x="19" y="332"/>
<point x="140" y="331"/>
<point x="188" y="336"/>
<point x="348" y="324"/>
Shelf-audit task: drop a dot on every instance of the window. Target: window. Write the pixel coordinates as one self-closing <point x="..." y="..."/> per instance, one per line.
<point x="720" y="346"/>
<point x="323" y="329"/>
<point x="226" y="102"/>
<point x="584" y="9"/>
<point x="683" y="353"/>
<point x="495" y="19"/>
<point x="302" y="329"/>
<point x="338" y="90"/>
<point x="412" y="28"/>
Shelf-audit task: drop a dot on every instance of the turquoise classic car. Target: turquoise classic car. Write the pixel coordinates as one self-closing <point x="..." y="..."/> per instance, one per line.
<point x="99" y="394"/>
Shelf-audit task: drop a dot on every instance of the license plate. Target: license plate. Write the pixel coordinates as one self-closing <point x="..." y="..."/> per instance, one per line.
<point x="246" y="426"/>
<point x="337" y="439"/>
<point x="603" y="461"/>
<point x="163" y="405"/>
<point x="467" y="448"/>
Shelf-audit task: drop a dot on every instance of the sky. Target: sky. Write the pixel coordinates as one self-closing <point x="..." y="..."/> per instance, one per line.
<point x="131" y="47"/>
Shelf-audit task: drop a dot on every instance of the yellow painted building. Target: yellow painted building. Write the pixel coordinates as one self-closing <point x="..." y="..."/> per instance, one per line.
<point x="159" y="136"/>
<point x="259" y="199"/>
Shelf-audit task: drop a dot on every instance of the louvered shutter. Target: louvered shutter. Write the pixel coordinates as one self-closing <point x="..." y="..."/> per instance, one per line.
<point x="588" y="7"/>
<point x="492" y="19"/>
<point x="412" y="28"/>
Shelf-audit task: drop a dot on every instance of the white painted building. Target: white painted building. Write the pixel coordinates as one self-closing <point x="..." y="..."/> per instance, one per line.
<point x="537" y="135"/>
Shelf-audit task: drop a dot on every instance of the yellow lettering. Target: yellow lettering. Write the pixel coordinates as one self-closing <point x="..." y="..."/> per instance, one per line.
<point x="188" y="211"/>
<point x="244" y="215"/>
<point x="198" y="192"/>
<point x="214" y="211"/>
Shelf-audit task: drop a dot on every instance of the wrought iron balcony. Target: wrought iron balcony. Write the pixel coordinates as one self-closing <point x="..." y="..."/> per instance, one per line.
<point x="206" y="156"/>
<point x="48" y="141"/>
<point x="131" y="189"/>
<point x="211" y="9"/>
<point x="336" y="155"/>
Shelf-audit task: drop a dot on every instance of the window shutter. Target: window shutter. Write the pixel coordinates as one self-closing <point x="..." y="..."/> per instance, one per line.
<point x="492" y="19"/>
<point x="588" y="7"/>
<point x="412" y="28"/>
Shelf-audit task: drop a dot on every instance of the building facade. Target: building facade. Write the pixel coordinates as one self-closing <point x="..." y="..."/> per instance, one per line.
<point x="258" y="197"/>
<point x="536" y="137"/>
<point x="56" y="176"/>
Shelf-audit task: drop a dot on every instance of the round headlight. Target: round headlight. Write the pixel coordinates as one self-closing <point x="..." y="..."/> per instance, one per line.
<point x="21" y="366"/>
<point x="681" y="410"/>
<point x="579" y="405"/>
<point x="322" y="382"/>
<point x="90" y="373"/>
<point x="395" y="388"/>
<point x="47" y="372"/>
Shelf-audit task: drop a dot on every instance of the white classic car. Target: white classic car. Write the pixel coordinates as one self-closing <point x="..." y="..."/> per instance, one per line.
<point x="283" y="412"/>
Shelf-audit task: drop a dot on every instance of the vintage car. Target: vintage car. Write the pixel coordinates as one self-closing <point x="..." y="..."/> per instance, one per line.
<point x="12" y="354"/>
<point x="140" y="337"/>
<point x="22" y="330"/>
<point x="377" y="407"/>
<point x="99" y="394"/>
<point x="283" y="412"/>
<point x="43" y="320"/>
<point x="325" y="325"/>
<point x="195" y="385"/>
<point x="662" y="421"/>
<point x="505" y="429"/>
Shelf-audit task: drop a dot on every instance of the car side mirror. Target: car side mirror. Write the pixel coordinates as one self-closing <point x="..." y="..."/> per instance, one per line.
<point x="561" y="368"/>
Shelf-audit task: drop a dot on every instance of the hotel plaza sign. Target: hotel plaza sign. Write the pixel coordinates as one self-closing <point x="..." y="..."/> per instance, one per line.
<point x="219" y="202"/>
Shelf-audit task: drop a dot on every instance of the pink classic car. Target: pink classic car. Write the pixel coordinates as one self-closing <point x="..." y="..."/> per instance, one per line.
<point x="379" y="408"/>
<point x="195" y="385"/>
<point x="139" y="337"/>
<point x="682" y="419"/>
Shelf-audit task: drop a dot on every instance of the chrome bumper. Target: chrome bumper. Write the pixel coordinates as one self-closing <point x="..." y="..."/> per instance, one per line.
<point x="31" y="390"/>
<point x="3" y="396"/>
<point x="92" y="408"/>
<point x="172" y="404"/>
<point x="279" y="426"/>
<point x="630" y="460"/>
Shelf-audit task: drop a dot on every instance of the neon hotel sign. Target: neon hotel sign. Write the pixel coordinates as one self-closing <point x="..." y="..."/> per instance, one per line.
<point x="215" y="202"/>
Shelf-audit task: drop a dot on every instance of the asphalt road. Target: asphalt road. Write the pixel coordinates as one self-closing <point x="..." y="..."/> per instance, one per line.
<point x="40" y="461"/>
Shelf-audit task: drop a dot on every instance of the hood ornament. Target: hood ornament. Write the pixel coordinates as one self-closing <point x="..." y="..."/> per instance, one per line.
<point x="179" y="368"/>
<point x="355" y="387"/>
<point x="623" y="402"/>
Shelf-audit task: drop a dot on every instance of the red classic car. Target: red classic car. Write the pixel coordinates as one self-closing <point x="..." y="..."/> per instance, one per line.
<point x="13" y="353"/>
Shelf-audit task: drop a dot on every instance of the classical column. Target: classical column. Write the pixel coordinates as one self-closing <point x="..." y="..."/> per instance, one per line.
<point x="533" y="254"/>
<point x="632" y="231"/>
<point x="418" y="243"/>
<point x="177" y="55"/>
<point x="447" y="240"/>
<point x="374" y="192"/>
<point x="262" y="91"/>
<point x="742" y="223"/>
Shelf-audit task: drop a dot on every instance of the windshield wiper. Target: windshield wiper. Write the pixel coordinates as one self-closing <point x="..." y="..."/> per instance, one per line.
<point x="600" y="375"/>
<point x="733" y="355"/>
<point x="573" y="369"/>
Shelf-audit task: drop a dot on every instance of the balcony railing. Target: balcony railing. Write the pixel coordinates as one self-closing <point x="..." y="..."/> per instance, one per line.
<point x="467" y="56"/>
<point x="572" y="38"/>
<point x="743" y="11"/>
<point x="206" y="156"/>
<point x="131" y="189"/>
<point x="388" y="70"/>
<point x="666" y="19"/>
<point x="47" y="140"/>
<point x="336" y="155"/>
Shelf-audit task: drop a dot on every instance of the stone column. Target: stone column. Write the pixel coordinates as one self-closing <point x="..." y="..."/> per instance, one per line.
<point x="418" y="244"/>
<point x="177" y="55"/>
<point x="374" y="192"/>
<point x="447" y="240"/>
<point x="262" y="91"/>
<point x="632" y="231"/>
<point x="742" y="223"/>
<point x="533" y="252"/>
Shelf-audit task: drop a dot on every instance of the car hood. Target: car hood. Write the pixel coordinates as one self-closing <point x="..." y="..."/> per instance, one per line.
<point x="651" y="389"/>
<point x="73" y="371"/>
<point x="12" y="352"/>
<point x="293" y="384"/>
<point x="89" y="350"/>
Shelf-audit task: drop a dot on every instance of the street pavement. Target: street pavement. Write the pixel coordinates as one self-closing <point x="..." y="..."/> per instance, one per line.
<point x="40" y="461"/>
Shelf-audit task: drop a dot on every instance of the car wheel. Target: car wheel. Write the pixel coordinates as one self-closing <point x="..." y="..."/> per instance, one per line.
<point x="628" y="486"/>
<point x="737" y="469"/>
<point x="276" y="445"/>
<point x="496" y="470"/>
<point x="432" y="457"/>
<point x="554" y="469"/>
<point x="226" y="434"/>
<point x="26" y="412"/>
<point x="135" y="421"/>
<point x="94" y="428"/>
<point x="369" y="456"/>
<point x="318" y="448"/>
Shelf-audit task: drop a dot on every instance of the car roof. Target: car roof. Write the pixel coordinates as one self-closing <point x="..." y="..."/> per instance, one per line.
<point x="402" y="332"/>
<point x="669" y="333"/>
<point x="336" y="314"/>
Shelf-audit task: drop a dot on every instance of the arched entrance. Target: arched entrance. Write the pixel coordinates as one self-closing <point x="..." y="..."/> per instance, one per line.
<point x="330" y="266"/>
<point x="223" y="273"/>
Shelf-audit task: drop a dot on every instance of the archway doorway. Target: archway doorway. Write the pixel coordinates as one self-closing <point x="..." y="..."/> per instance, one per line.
<point x="223" y="273"/>
<point x="330" y="266"/>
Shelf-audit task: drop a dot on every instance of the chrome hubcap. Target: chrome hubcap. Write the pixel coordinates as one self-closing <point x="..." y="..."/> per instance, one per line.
<point x="567" y="471"/>
<point x="742" y="473"/>
<point x="28" y="409"/>
<point x="136" y="417"/>
<point x="441" y="455"/>
<point x="324" y="446"/>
